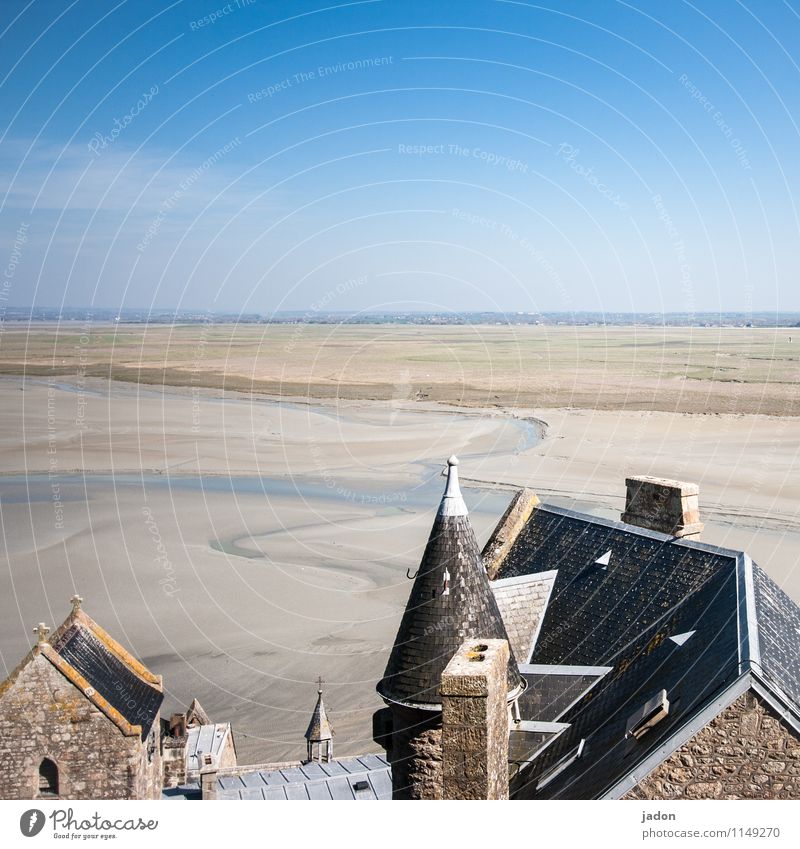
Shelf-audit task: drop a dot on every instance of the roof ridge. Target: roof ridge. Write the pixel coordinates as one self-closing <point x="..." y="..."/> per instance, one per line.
<point x="615" y="524"/>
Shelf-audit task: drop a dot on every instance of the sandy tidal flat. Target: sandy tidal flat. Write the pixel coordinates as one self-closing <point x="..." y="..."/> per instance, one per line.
<point x="242" y="546"/>
<point x="732" y="370"/>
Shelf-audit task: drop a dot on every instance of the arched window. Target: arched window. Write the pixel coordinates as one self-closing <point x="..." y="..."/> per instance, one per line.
<point x="48" y="778"/>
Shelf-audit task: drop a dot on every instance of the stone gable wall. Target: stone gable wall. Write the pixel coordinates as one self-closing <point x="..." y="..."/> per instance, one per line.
<point x="174" y="761"/>
<point x="746" y="752"/>
<point x="43" y="715"/>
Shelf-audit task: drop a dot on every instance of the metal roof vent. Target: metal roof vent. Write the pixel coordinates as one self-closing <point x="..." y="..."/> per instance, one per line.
<point x="360" y="786"/>
<point x="650" y="714"/>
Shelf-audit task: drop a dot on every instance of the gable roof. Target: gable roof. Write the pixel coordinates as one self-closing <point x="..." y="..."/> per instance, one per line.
<point x="105" y="672"/>
<point x="522" y="601"/>
<point x="743" y="631"/>
<point x="450" y="601"/>
<point x="210" y="738"/>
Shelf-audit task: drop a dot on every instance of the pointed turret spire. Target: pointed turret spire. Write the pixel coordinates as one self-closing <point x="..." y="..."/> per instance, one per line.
<point x="319" y="732"/>
<point x="450" y="602"/>
<point x="452" y="501"/>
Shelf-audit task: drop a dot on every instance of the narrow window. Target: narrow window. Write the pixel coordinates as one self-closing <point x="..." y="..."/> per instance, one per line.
<point x="48" y="778"/>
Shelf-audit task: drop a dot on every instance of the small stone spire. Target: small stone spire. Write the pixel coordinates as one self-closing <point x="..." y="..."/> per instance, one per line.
<point x="76" y="601"/>
<point x="41" y="631"/>
<point x="452" y="503"/>
<point x="319" y="734"/>
<point x="196" y="715"/>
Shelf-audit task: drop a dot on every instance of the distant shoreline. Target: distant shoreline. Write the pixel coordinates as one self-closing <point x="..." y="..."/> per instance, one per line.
<point x="737" y="371"/>
<point x="17" y="316"/>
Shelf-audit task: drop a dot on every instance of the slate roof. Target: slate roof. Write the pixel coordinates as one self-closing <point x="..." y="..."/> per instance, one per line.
<point x="553" y="690"/>
<point x="522" y="602"/>
<point x="363" y="778"/>
<point x="109" y="675"/>
<point x="777" y="651"/>
<point x="450" y="602"/>
<point x="594" y="611"/>
<point x="702" y="623"/>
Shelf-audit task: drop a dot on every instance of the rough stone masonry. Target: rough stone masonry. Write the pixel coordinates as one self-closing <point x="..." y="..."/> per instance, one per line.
<point x="745" y="753"/>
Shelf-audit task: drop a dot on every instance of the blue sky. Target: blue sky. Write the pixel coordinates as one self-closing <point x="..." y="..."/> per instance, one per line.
<point x="466" y="155"/>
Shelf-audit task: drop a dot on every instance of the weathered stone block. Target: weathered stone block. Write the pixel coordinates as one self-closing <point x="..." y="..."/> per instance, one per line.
<point x="671" y="507"/>
<point x="474" y="738"/>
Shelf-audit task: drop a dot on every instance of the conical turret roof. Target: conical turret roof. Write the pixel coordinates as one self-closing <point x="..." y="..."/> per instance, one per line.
<point x="450" y="602"/>
<point x="319" y="729"/>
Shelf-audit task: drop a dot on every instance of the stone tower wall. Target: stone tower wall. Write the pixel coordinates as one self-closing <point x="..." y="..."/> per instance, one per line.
<point x="416" y="753"/>
<point x="43" y="715"/>
<point x="747" y="752"/>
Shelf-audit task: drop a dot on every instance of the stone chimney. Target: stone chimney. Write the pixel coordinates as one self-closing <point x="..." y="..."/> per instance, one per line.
<point x="208" y="776"/>
<point x="173" y="752"/>
<point x="671" y="507"/>
<point x="177" y="725"/>
<point x="475" y="725"/>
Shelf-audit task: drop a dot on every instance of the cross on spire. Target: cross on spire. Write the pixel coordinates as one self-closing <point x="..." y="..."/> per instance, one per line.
<point x="41" y="630"/>
<point x="76" y="602"/>
<point x="320" y="682"/>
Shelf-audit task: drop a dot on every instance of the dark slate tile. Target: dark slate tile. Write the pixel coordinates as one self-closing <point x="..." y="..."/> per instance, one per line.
<point x="593" y="612"/>
<point x="778" y="635"/>
<point x="434" y="625"/>
<point x="134" y="698"/>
